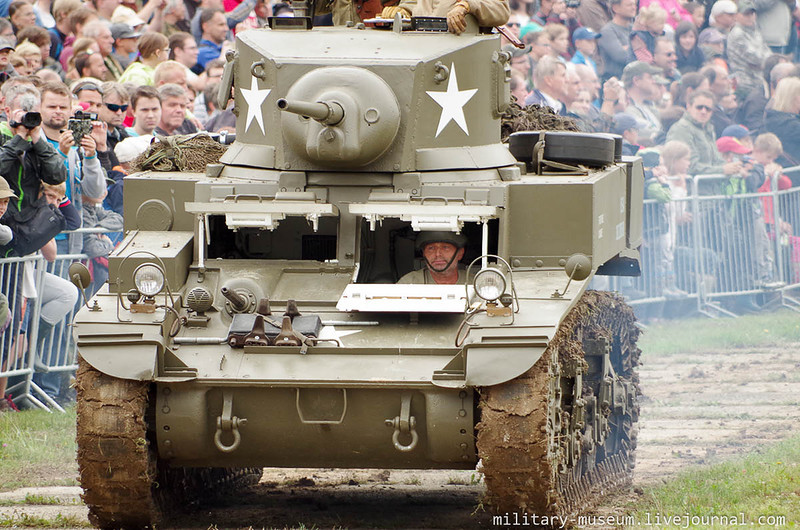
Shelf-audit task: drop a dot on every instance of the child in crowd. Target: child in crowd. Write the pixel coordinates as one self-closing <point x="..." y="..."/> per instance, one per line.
<point x="585" y="41"/>
<point x="767" y="149"/>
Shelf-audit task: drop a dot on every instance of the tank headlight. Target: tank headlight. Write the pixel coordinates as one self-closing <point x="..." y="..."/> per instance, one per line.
<point x="490" y="284"/>
<point x="148" y="279"/>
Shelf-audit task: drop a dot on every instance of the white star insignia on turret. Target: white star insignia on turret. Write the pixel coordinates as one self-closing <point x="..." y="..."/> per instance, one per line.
<point x="452" y="102"/>
<point x="254" y="99"/>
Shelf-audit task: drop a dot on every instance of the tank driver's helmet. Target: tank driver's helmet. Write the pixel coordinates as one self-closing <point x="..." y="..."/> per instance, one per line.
<point x="458" y="240"/>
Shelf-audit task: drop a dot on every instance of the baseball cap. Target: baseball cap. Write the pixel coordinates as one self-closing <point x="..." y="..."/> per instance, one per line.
<point x="723" y="6"/>
<point x="5" y="190"/>
<point x="584" y="34"/>
<point x="729" y="144"/>
<point x="710" y="36"/>
<point x="6" y="44"/>
<point x="124" y="31"/>
<point x="736" y="131"/>
<point x="650" y="158"/>
<point x="126" y="15"/>
<point x="527" y="28"/>
<point x="637" y="68"/>
<point x="624" y="122"/>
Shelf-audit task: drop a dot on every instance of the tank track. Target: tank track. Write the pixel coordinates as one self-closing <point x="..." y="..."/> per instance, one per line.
<point x="124" y="483"/>
<point x="562" y="435"/>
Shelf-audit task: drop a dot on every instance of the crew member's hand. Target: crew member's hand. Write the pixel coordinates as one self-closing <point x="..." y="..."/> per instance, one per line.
<point x="391" y="11"/>
<point x="732" y="168"/>
<point x="65" y="141"/>
<point x="89" y="145"/>
<point x="457" y="18"/>
<point x="100" y="135"/>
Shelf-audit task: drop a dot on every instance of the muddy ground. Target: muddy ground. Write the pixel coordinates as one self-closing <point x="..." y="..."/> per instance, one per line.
<point x="697" y="409"/>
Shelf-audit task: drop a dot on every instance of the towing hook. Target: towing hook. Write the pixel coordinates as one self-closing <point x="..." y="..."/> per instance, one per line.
<point x="228" y="423"/>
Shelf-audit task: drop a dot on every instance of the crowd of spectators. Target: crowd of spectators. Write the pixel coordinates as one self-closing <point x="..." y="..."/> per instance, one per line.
<point x="703" y="86"/>
<point x="695" y="88"/>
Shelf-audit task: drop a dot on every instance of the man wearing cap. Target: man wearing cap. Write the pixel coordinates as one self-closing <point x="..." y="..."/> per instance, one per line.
<point x="642" y="91"/>
<point x="712" y="44"/>
<point x="585" y="41"/>
<point x="615" y="38"/>
<point x="723" y="16"/>
<point x="442" y="252"/>
<point x="746" y="49"/>
<point x="125" y="40"/>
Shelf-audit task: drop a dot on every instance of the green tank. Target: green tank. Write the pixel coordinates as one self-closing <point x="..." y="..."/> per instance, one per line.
<point x="252" y="316"/>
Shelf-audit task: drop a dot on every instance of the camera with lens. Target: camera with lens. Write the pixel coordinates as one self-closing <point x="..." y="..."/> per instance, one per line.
<point x="574" y="3"/>
<point x="81" y="125"/>
<point x="29" y="120"/>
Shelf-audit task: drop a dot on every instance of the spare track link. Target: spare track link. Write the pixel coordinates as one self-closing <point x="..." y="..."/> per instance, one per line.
<point x="524" y="422"/>
<point x="124" y="484"/>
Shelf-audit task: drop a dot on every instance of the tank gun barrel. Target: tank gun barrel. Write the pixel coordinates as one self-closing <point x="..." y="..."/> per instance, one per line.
<point x="238" y="302"/>
<point x="328" y="113"/>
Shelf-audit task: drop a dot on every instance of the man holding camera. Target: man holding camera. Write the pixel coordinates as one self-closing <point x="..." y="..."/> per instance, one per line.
<point x="26" y="158"/>
<point x="85" y="176"/>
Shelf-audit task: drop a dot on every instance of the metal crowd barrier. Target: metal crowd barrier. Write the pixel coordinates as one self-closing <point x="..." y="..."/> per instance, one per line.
<point x="19" y="351"/>
<point x="711" y="249"/>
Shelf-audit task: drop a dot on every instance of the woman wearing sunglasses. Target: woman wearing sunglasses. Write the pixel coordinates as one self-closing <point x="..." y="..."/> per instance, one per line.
<point x="115" y="105"/>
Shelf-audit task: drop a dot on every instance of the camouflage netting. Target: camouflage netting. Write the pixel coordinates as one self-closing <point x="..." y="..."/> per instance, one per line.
<point x="533" y="118"/>
<point x="191" y="152"/>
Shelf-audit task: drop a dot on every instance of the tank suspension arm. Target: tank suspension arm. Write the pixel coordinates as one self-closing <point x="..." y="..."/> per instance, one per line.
<point x="327" y="113"/>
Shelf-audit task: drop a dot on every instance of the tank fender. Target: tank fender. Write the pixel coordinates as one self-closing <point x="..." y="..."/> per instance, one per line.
<point x="132" y="354"/>
<point x="492" y="364"/>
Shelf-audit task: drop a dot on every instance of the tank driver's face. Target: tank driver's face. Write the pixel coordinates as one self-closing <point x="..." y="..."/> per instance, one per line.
<point x="442" y="257"/>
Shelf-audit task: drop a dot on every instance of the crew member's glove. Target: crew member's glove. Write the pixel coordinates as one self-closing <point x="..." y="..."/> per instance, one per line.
<point x="391" y="11"/>
<point x="456" y="17"/>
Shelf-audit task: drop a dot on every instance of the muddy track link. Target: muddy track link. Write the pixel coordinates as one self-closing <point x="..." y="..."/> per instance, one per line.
<point x="124" y="484"/>
<point x="558" y="437"/>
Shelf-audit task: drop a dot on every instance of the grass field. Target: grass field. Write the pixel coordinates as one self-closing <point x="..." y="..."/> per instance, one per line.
<point x="701" y="335"/>
<point x="760" y="491"/>
<point x="37" y="448"/>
